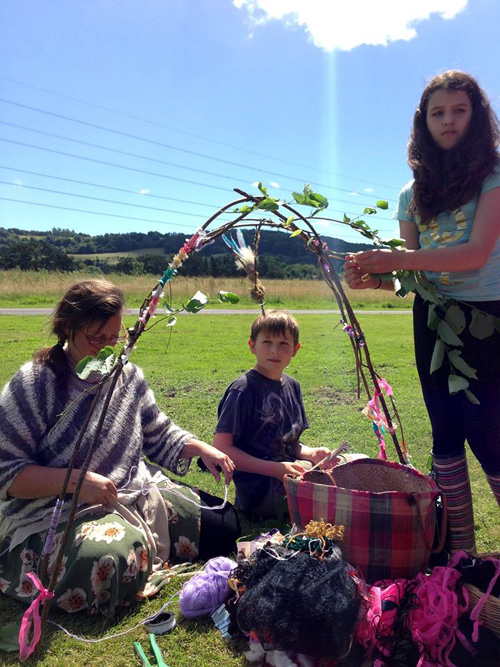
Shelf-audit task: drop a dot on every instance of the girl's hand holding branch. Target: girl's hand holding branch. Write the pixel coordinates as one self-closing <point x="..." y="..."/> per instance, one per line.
<point x="358" y="278"/>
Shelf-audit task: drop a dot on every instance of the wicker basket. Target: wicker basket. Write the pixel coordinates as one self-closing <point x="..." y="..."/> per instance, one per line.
<point x="490" y="613"/>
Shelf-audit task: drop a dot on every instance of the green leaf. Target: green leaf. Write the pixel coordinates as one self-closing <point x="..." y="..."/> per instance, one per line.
<point x="482" y="325"/>
<point x="347" y="218"/>
<point x="171" y="321"/>
<point x="268" y="204"/>
<point x="245" y="209"/>
<point x="295" y="233"/>
<point x="455" y="318"/>
<point x="394" y="243"/>
<point x="322" y="201"/>
<point x="9" y="637"/>
<point x="262" y="188"/>
<point x="448" y="335"/>
<point x="432" y="317"/>
<point x="471" y="397"/>
<point x="437" y="355"/>
<point x="196" y="303"/>
<point x="456" y="383"/>
<point x="369" y="210"/>
<point x="382" y="204"/>
<point x="425" y="293"/>
<point x="307" y="190"/>
<point x="228" y="297"/>
<point x="461" y="365"/>
<point x="288" y="222"/>
<point x="102" y="363"/>
<point x="300" y="199"/>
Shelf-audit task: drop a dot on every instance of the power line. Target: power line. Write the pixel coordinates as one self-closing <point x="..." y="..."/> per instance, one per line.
<point x="196" y="136"/>
<point x="113" y="164"/>
<point x="144" y="157"/>
<point x="107" y="215"/>
<point x="105" y="187"/>
<point x="120" y="203"/>
<point x="128" y="135"/>
<point x="107" y="201"/>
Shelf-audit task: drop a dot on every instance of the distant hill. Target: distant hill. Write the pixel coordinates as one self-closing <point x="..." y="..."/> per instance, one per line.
<point x="279" y="255"/>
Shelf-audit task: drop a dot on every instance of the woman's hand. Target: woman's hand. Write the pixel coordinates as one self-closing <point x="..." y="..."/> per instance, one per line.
<point x="96" y="489"/>
<point x="356" y="278"/>
<point x="213" y="458"/>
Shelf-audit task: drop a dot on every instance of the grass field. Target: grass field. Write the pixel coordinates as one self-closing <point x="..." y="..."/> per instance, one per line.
<point x="38" y="289"/>
<point x="189" y="367"/>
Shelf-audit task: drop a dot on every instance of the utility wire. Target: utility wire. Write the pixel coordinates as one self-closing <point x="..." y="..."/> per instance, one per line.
<point x="142" y="157"/>
<point x="192" y="134"/>
<point x="121" y="203"/>
<point x="107" y="215"/>
<point x="113" y="164"/>
<point x="128" y="135"/>
<point x="105" y="187"/>
<point x="107" y="201"/>
<point x="337" y="201"/>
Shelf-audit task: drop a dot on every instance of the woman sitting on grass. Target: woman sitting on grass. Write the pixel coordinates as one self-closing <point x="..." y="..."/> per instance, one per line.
<point x="131" y="518"/>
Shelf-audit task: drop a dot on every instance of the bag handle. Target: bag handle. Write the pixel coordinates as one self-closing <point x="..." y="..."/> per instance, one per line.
<point x="442" y="528"/>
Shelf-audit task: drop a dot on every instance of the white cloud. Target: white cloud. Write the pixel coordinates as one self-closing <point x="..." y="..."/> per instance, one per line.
<point x="369" y="190"/>
<point x="17" y="184"/>
<point x="255" y="184"/>
<point x="144" y="191"/>
<point x="337" y="25"/>
<point x="273" y="184"/>
<point x="354" y="194"/>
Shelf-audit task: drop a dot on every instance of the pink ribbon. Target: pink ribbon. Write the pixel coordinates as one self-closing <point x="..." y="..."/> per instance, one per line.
<point x="32" y="616"/>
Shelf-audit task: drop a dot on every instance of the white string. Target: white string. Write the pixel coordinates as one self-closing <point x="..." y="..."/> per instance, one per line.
<point x="118" y="634"/>
<point x="144" y="490"/>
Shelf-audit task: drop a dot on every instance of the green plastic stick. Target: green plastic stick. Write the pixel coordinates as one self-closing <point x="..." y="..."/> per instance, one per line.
<point x="141" y="655"/>
<point x="156" y="651"/>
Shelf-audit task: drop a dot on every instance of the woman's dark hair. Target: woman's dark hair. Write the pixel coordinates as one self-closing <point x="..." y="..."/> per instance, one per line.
<point x="83" y="304"/>
<point x="447" y="179"/>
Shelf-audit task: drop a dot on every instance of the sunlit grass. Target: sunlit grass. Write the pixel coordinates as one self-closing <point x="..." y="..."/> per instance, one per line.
<point x="21" y="289"/>
<point x="189" y="368"/>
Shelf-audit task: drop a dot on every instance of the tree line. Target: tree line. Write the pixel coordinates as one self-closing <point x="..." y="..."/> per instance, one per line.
<point x="280" y="256"/>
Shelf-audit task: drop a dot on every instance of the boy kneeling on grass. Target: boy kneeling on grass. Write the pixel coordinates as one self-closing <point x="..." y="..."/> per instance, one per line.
<point x="261" y="418"/>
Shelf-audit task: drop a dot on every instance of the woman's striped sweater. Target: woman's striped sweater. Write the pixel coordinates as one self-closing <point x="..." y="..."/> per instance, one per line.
<point x="31" y="432"/>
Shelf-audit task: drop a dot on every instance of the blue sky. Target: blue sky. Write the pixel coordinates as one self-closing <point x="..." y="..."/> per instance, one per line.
<point x="162" y="107"/>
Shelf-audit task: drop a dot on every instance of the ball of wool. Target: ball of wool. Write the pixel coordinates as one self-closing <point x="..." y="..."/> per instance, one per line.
<point x="207" y="590"/>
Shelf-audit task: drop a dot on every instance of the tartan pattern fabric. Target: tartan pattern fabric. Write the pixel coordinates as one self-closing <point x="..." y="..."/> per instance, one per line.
<point x="383" y="535"/>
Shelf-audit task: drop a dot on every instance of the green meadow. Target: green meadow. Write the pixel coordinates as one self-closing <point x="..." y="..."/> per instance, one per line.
<point x="189" y="366"/>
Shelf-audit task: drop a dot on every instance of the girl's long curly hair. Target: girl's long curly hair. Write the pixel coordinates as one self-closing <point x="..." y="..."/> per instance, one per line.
<point x="447" y="179"/>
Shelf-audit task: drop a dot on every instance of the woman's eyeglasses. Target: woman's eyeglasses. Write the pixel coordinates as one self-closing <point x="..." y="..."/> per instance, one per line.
<point x="104" y="340"/>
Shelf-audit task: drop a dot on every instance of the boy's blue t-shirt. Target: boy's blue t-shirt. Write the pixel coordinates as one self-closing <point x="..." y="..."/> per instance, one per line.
<point x="266" y="418"/>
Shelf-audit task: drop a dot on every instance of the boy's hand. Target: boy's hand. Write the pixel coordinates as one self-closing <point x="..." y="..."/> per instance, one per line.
<point x="288" y="468"/>
<point x="318" y="454"/>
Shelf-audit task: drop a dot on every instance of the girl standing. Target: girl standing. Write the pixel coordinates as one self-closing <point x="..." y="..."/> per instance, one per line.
<point x="449" y="217"/>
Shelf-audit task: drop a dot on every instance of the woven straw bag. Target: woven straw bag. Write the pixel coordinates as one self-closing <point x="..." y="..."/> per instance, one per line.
<point x="388" y="511"/>
<point x="490" y="613"/>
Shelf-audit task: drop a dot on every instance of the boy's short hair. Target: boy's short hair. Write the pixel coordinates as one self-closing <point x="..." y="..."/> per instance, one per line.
<point x="276" y="322"/>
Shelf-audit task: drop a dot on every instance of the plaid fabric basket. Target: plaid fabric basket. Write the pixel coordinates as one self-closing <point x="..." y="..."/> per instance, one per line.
<point x="388" y="511"/>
